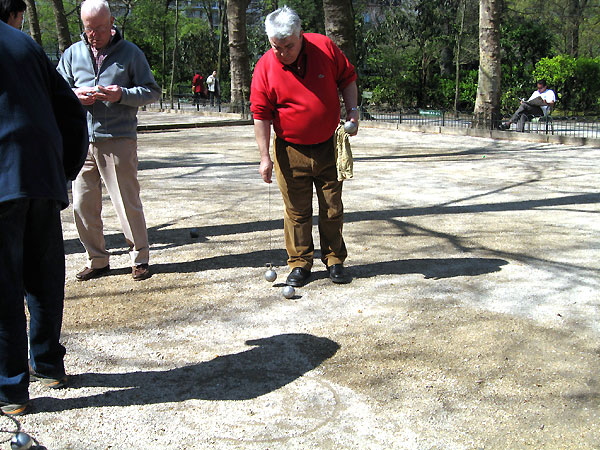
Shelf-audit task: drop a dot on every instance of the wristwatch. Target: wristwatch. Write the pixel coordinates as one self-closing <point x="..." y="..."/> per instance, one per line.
<point x="352" y="109"/>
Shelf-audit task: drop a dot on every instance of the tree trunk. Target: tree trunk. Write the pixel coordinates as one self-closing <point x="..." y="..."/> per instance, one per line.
<point x="487" y="103"/>
<point x="238" y="52"/>
<point x="62" y="25"/>
<point x="339" y="26"/>
<point x="174" y="59"/>
<point x="124" y="19"/>
<point x="34" y="21"/>
<point x="575" y="12"/>
<point x="457" y="55"/>
<point x="222" y="23"/>
<point x="207" y="5"/>
<point x="164" y="51"/>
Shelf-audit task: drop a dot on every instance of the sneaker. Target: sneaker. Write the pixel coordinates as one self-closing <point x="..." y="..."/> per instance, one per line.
<point x="504" y="126"/>
<point x="14" y="409"/>
<point x="50" y="382"/>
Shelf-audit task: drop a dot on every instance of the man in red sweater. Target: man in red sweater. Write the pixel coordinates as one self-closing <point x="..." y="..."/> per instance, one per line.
<point x="295" y="87"/>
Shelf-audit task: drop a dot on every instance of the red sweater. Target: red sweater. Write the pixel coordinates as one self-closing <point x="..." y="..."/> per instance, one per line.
<point x="197" y="82"/>
<point x="304" y="110"/>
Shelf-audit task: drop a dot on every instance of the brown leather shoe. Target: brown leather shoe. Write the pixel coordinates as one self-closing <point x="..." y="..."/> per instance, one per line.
<point x="88" y="274"/>
<point x="140" y="272"/>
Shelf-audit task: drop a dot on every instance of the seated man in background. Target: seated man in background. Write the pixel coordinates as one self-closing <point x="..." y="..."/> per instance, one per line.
<point x="537" y="106"/>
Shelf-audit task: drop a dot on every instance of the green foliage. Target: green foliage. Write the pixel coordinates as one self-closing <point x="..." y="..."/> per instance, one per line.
<point x="311" y="13"/>
<point x="557" y="17"/>
<point x="196" y="53"/>
<point x="524" y="41"/>
<point x="576" y="80"/>
<point x="468" y="89"/>
<point x="407" y="53"/>
<point x="406" y="50"/>
<point x="586" y="84"/>
<point x="557" y="71"/>
<point x="48" y="24"/>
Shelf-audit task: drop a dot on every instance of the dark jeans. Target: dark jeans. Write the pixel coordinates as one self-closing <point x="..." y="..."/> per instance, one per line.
<point x="524" y="113"/>
<point x="32" y="265"/>
<point x="212" y="96"/>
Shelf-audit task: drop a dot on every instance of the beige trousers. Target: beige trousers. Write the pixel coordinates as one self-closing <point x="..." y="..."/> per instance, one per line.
<point x="114" y="162"/>
<point x="298" y="168"/>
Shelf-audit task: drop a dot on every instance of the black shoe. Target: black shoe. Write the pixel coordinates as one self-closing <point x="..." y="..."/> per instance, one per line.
<point x="504" y="126"/>
<point x="298" y="277"/>
<point x="338" y="275"/>
<point x="88" y="274"/>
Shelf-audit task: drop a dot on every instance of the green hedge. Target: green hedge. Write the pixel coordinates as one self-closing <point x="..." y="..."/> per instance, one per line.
<point x="575" y="80"/>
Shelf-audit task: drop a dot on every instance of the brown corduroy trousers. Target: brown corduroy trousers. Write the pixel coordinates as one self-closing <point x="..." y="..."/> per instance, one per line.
<point x="298" y="168"/>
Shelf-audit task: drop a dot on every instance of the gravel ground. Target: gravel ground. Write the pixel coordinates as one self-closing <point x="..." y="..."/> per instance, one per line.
<point x="472" y="321"/>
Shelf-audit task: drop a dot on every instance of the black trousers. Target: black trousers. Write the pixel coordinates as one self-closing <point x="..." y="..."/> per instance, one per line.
<point x="522" y="114"/>
<point x="32" y="266"/>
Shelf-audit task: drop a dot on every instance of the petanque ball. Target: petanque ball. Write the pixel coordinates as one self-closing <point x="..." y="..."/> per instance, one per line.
<point x="270" y="275"/>
<point x="350" y="127"/>
<point x="21" y="441"/>
<point x="288" y="291"/>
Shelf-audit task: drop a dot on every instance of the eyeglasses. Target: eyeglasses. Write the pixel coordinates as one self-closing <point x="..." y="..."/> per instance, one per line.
<point x="97" y="30"/>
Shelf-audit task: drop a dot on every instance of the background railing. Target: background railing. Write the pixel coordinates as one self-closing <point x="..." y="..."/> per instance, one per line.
<point x="574" y="126"/>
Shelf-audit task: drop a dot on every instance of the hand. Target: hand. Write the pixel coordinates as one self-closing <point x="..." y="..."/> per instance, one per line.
<point x="110" y="93"/>
<point x="86" y="95"/>
<point x="266" y="170"/>
<point x="353" y="116"/>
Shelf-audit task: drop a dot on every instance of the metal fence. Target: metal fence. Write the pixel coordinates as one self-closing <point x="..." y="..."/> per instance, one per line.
<point x="185" y="103"/>
<point x="585" y="127"/>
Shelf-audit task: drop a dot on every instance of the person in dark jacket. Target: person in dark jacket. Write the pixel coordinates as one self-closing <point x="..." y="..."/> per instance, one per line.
<point x="43" y="143"/>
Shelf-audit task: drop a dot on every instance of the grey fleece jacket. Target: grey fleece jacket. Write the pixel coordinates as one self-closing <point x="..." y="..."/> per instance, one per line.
<point x="126" y="66"/>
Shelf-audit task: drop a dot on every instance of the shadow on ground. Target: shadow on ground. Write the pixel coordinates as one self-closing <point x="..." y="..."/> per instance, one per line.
<point x="434" y="268"/>
<point x="273" y="363"/>
<point x="168" y="237"/>
<point x="431" y="268"/>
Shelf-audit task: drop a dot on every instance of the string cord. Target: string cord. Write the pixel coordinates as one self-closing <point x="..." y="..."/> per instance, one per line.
<point x="269" y="221"/>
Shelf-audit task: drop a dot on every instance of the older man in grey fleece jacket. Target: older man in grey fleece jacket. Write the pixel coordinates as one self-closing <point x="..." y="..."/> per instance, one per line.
<point x="112" y="78"/>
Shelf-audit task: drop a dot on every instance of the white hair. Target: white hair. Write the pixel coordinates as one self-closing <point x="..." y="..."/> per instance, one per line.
<point x="282" y="23"/>
<point x="93" y="7"/>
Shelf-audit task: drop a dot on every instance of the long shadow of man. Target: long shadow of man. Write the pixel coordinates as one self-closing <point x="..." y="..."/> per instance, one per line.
<point x="273" y="363"/>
